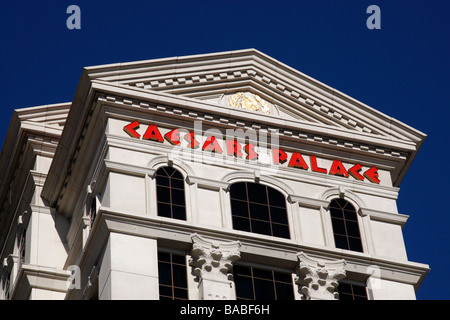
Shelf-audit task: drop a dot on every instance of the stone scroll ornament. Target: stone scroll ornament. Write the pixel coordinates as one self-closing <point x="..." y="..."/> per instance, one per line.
<point x="319" y="280"/>
<point x="212" y="263"/>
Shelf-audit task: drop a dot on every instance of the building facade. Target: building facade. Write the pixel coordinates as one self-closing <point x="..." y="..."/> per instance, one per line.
<point x="215" y="176"/>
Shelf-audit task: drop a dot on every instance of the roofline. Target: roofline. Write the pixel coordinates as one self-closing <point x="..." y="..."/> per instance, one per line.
<point x="254" y="58"/>
<point x="120" y="69"/>
<point x="15" y="137"/>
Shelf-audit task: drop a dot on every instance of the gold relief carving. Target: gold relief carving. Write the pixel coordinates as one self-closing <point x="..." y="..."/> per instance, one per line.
<point x="249" y="101"/>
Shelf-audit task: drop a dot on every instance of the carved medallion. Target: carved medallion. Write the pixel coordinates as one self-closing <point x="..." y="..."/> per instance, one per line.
<point x="249" y="101"/>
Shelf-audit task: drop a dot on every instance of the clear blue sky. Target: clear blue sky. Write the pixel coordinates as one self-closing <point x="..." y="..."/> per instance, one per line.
<point x="401" y="70"/>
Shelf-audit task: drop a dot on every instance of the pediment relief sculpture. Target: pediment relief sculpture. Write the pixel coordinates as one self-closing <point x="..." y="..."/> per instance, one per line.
<point x="249" y="101"/>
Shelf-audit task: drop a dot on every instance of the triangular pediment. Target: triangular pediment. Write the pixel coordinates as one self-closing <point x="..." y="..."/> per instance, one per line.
<point x="285" y="92"/>
<point x="241" y="89"/>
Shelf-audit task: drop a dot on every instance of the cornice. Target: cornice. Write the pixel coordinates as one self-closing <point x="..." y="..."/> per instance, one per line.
<point x="327" y="119"/>
<point x="311" y="133"/>
<point x="298" y="96"/>
<point x="194" y="76"/>
<point x="207" y="183"/>
<point x="281" y="251"/>
<point x="389" y="217"/>
<point x="308" y="202"/>
<point x="385" y="153"/>
<point x="30" y="127"/>
<point x="33" y="276"/>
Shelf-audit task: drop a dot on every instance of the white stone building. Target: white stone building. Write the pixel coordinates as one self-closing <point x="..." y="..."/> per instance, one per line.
<point x="216" y="176"/>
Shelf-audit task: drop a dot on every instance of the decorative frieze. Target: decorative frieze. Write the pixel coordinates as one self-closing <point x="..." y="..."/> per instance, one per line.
<point x="313" y="137"/>
<point x="280" y="86"/>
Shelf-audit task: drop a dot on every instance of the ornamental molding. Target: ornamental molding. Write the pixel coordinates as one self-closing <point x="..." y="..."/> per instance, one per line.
<point x="308" y="202"/>
<point x="33" y="276"/>
<point x="212" y="75"/>
<point x="309" y="100"/>
<point x="179" y="87"/>
<point x="207" y="183"/>
<point x="318" y="280"/>
<point x="272" y="128"/>
<point x="284" y="251"/>
<point x="347" y="194"/>
<point x="388" y="217"/>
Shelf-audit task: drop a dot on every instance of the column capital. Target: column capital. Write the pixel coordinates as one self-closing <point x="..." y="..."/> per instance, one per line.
<point x="213" y="262"/>
<point x="213" y="259"/>
<point x="318" y="279"/>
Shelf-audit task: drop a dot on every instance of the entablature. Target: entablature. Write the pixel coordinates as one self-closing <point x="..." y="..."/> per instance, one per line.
<point x="254" y="247"/>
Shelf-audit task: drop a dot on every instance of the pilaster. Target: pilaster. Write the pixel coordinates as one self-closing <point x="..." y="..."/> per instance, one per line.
<point x="129" y="269"/>
<point x="213" y="262"/>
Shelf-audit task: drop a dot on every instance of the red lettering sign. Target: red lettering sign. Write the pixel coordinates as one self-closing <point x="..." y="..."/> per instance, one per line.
<point x="297" y="161"/>
<point x="152" y="133"/>
<point x="190" y="137"/>
<point x="251" y="154"/>
<point x="130" y="129"/>
<point x="354" y="172"/>
<point x="279" y="156"/>
<point x="234" y="148"/>
<point x="314" y="166"/>
<point x="212" y="145"/>
<point x="372" y="175"/>
<point x="173" y="137"/>
<point x="338" y="169"/>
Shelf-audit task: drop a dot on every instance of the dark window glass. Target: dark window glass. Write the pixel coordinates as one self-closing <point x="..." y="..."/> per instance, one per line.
<point x="241" y="223"/>
<point x="258" y="284"/>
<point x="172" y="276"/>
<point x="163" y="194"/>
<point x="338" y="226"/>
<point x="177" y="183"/>
<point x="351" y="292"/>
<point x="163" y="181"/>
<point x="354" y="244"/>
<point x="340" y="241"/>
<point x="178" y="197"/>
<point x="279" y="230"/>
<point x="260" y="227"/>
<point x="264" y="289"/>
<point x="264" y="212"/>
<point x="345" y="225"/>
<point x="259" y="211"/>
<point x="257" y="193"/>
<point x="170" y="193"/>
<point x="244" y="288"/>
<point x="276" y="198"/>
<point x="278" y="215"/>
<point x="239" y="191"/>
<point x="164" y="210"/>
<point x="239" y="208"/>
<point x="178" y="212"/>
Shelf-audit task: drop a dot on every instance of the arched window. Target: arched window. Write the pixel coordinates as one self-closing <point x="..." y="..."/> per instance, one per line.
<point x="345" y="225"/>
<point x="170" y="193"/>
<point x="258" y="208"/>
